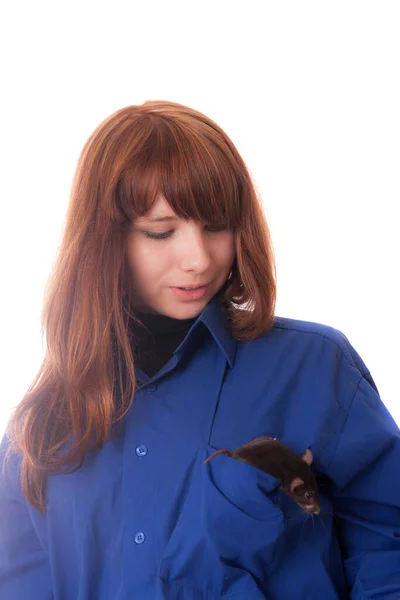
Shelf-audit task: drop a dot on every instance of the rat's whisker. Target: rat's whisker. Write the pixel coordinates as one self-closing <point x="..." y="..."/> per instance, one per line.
<point x="322" y="522"/>
<point x="304" y="522"/>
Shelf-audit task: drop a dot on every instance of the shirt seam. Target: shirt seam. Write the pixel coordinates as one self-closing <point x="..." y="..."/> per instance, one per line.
<point x="327" y="337"/>
<point x="350" y="404"/>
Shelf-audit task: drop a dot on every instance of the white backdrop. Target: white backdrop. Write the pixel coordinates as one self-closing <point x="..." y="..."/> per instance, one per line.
<point x="308" y="91"/>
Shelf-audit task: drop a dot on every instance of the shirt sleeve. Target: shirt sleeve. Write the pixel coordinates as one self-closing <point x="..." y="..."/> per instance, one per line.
<point x="24" y="568"/>
<point x="365" y="472"/>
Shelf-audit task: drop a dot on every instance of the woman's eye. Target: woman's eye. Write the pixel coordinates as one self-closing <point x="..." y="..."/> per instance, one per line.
<point x="157" y="236"/>
<point x="166" y="234"/>
<point x="216" y="228"/>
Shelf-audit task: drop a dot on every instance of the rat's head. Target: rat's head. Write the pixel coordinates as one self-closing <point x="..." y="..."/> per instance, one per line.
<point x="303" y="489"/>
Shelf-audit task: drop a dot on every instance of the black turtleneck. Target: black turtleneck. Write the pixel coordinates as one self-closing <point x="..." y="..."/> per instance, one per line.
<point x="154" y="343"/>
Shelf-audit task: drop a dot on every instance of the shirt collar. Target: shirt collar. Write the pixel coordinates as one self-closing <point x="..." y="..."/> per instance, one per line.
<point x="213" y="317"/>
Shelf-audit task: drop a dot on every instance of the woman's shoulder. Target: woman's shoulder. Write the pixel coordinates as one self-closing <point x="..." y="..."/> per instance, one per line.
<point x="308" y="327"/>
<point x="313" y="336"/>
<point x="302" y="330"/>
<point x="10" y="467"/>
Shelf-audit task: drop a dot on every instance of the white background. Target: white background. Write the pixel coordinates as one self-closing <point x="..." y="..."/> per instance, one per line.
<point x="308" y="91"/>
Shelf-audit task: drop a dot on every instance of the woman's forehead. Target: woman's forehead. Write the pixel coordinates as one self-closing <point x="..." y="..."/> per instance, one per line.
<point x="160" y="208"/>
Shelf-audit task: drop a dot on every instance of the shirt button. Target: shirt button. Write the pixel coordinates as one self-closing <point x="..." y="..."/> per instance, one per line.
<point x="139" y="537"/>
<point x="141" y="450"/>
<point x="151" y="388"/>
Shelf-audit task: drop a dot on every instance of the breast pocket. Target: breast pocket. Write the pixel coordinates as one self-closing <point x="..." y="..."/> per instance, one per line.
<point x="229" y="534"/>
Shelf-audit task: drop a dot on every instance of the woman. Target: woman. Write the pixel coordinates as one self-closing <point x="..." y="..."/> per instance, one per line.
<point x="162" y="347"/>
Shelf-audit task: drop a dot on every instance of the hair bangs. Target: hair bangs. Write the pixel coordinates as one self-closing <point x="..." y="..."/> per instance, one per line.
<point x="195" y="175"/>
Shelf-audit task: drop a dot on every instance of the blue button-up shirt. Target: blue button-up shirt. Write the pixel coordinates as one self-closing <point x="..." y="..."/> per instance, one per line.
<point x="146" y="519"/>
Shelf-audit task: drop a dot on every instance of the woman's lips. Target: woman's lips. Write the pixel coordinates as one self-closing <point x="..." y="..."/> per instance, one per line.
<point x="195" y="294"/>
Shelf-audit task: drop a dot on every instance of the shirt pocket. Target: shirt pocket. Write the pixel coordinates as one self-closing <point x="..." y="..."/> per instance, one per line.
<point x="228" y="536"/>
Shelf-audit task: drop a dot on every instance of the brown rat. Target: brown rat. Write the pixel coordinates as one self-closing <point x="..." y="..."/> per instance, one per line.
<point x="293" y="471"/>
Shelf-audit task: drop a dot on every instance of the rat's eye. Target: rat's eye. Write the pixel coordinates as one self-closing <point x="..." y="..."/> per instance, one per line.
<point x="309" y="495"/>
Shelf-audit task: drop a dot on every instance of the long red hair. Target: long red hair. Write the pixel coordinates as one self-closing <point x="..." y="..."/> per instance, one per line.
<point x="86" y="382"/>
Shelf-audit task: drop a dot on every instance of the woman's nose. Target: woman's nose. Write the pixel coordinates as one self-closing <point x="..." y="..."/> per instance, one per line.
<point x="195" y="252"/>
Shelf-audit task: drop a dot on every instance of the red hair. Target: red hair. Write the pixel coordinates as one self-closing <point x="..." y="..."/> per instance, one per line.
<point x="132" y="156"/>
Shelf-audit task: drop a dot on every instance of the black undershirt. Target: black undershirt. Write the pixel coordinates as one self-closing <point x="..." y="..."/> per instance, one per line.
<point x="154" y="344"/>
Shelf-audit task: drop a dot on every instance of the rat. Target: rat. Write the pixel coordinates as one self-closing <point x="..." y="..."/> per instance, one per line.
<point x="293" y="471"/>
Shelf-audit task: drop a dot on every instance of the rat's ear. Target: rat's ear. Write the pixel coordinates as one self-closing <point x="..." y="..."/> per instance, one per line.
<point x="307" y="457"/>
<point x="295" y="483"/>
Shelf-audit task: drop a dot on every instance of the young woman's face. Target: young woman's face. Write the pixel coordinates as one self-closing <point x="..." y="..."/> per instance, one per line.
<point x="166" y="253"/>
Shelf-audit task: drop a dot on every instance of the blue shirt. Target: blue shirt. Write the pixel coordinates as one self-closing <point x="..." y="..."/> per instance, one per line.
<point x="146" y="519"/>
